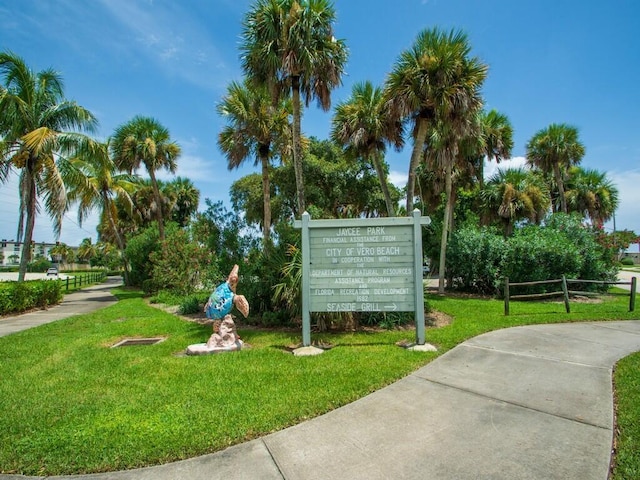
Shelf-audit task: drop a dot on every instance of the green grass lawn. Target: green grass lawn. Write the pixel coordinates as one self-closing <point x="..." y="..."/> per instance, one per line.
<point x="72" y="404"/>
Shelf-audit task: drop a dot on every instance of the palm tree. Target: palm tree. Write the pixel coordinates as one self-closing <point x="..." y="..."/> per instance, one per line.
<point x="186" y="198"/>
<point x="87" y="250"/>
<point x="515" y="194"/>
<point x="289" y="46"/>
<point x="436" y="84"/>
<point x="361" y="125"/>
<point x="496" y="139"/>
<point x="431" y="84"/>
<point x="553" y="150"/>
<point x="144" y="141"/>
<point x="255" y="129"/>
<point x="36" y="127"/>
<point x="591" y="194"/>
<point x="96" y="183"/>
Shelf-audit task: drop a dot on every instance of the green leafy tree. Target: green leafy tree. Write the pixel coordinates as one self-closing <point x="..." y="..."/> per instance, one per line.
<point x="254" y="129"/>
<point x="37" y="125"/>
<point x="224" y="233"/>
<point x="144" y="141"/>
<point x="289" y="46"/>
<point x="554" y="150"/>
<point x="361" y="125"/>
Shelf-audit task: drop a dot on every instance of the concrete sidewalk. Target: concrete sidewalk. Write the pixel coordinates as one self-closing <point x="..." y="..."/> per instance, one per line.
<point x="529" y="402"/>
<point x="82" y="301"/>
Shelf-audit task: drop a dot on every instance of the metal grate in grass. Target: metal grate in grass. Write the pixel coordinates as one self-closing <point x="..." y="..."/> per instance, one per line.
<point x="130" y="342"/>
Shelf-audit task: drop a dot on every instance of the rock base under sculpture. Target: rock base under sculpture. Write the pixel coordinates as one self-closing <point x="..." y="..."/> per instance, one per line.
<point x="204" y="349"/>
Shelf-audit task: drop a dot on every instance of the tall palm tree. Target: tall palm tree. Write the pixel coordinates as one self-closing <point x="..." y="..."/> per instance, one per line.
<point x="553" y="150"/>
<point x="144" y="141"/>
<point x="96" y="184"/>
<point x="592" y="194"/>
<point x="37" y="125"/>
<point x="289" y="46"/>
<point x="361" y="124"/>
<point x="515" y="194"/>
<point x="430" y="85"/>
<point x="255" y="129"/>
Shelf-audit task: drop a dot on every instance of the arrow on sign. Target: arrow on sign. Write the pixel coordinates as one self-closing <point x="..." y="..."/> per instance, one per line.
<point x="393" y="307"/>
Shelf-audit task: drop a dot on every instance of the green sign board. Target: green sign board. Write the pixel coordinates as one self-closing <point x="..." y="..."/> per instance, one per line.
<point x="361" y="269"/>
<point x="362" y="265"/>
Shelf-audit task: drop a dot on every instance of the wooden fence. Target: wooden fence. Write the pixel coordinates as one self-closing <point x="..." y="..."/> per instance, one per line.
<point x="565" y="292"/>
<point x="77" y="281"/>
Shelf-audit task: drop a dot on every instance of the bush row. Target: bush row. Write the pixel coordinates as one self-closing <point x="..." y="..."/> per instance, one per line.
<point x="16" y="297"/>
<point x="478" y="259"/>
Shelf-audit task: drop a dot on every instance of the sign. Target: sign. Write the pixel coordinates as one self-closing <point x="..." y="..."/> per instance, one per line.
<point x="362" y="265"/>
<point x="361" y="269"/>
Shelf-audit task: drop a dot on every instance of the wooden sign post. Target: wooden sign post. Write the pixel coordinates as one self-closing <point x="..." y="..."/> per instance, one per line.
<point x="362" y="265"/>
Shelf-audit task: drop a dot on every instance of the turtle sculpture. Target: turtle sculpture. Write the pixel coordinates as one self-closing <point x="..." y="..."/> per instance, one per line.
<point x="218" y="308"/>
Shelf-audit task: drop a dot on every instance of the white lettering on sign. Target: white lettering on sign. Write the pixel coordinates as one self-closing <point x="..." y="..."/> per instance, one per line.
<point x="348" y="231"/>
<point x="387" y="251"/>
<point x="341" y="307"/>
<point x="375" y="230"/>
<point x="370" y="307"/>
<point x="323" y="291"/>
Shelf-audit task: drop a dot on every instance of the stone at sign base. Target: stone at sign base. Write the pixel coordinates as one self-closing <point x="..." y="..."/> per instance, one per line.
<point x="204" y="349"/>
<point x="307" y="351"/>
<point x="423" y="348"/>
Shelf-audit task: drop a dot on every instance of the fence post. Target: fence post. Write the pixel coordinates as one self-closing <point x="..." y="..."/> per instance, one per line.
<point x="506" y="296"/>
<point x="632" y="298"/>
<point x="565" y="291"/>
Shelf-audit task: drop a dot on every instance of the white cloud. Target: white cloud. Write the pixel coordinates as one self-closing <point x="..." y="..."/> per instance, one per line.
<point x="491" y="167"/>
<point x="167" y="35"/>
<point x="399" y="179"/>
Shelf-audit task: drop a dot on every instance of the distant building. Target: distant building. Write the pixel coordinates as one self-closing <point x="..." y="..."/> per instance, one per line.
<point x="11" y="252"/>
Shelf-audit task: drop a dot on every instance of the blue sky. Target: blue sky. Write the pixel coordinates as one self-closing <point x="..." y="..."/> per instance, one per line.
<point x="550" y="61"/>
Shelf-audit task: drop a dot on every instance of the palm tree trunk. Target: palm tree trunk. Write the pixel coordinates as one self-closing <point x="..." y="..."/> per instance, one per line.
<point x="377" y="163"/>
<point x="416" y="154"/>
<point x="563" y="200"/>
<point x="297" y="148"/>
<point x="445" y="228"/>
<point x="30" y="198"/>
<point x="119" y="241"/>
<point x="266" y="193"/>
<point x="156" y="194"/>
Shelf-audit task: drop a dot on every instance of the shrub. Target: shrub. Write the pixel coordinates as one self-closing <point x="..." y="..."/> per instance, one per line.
<point x="193" y="303"/>
<point x="181" y="266"/>
<point x="474" y="258"/>
<point x="627" y="261"/>
<point x="16" y="297"/>
<point x="479" y="259"/>
<point x="139" y="247"/>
